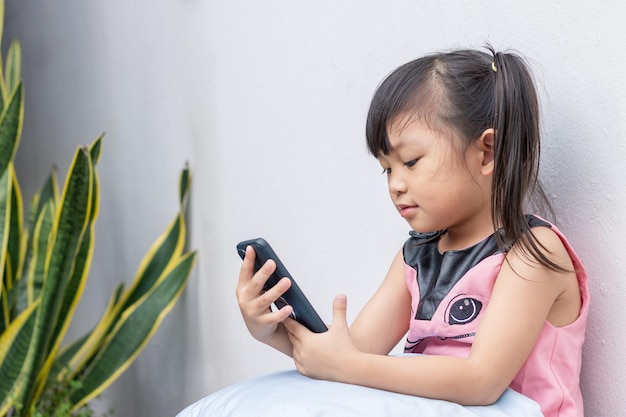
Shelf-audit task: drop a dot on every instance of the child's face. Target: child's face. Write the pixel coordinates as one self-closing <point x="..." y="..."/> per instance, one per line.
<point x="433" y="184"/>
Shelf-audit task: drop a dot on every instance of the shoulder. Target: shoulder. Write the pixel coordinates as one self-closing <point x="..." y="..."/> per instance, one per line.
<point x="548" y="246"/>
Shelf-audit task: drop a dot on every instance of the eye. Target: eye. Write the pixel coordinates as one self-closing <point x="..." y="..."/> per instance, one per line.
<point x="386" y="171"/>
<point x="463" y="310"/>
<point x="410" y="163"/>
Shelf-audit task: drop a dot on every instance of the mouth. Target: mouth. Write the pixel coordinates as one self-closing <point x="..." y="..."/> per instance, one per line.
<point x="406" y="210"/>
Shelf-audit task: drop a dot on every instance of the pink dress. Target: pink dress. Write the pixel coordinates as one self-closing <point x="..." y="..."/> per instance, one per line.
<point x="451" y="291"/>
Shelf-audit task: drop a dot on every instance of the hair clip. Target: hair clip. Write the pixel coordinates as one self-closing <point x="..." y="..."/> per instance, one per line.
<point x="493" y="66"/>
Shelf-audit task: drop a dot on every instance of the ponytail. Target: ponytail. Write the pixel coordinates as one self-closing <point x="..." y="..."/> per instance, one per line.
<point x="516" y="156"/>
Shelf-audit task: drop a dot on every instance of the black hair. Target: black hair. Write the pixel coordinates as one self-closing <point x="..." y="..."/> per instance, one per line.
<point x="470" y="91"/>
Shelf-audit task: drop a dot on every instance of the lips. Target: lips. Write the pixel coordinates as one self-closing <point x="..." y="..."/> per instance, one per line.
<point x="406" y="210"/>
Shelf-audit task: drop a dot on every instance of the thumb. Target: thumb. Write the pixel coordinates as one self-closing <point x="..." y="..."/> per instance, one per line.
<point x="340" y="305"/>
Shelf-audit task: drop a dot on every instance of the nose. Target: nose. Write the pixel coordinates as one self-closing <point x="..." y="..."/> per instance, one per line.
<point x="396" y="183"/>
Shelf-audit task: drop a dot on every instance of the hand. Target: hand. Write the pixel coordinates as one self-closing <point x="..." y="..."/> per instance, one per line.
<point x="323" y="355"/>
<point x="255" y="305"/>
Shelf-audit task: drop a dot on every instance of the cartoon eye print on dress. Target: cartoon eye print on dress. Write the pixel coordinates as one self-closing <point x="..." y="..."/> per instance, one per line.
<point x="462" y="310"/>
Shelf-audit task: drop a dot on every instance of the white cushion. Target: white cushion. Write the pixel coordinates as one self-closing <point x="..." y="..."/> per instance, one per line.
<point x="290" y="394"/>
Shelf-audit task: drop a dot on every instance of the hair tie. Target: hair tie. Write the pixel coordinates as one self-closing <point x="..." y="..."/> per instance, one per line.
<point x="493" y="66"/>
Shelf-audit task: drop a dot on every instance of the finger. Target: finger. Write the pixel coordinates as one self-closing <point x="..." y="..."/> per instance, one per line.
<point x="247" y="267"/>
<point x="252" y="287"/>
<point x="282" y="314"/>
<point x="269" y="318"/>
<point x="295" y="329"/>
<point x="340" y="306"/>
<point x="277" y="290"/>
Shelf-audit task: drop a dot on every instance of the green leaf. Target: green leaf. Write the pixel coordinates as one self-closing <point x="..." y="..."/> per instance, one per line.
<point x="95" y="149"/>
<point x="184" y="185"/>
<point x="6" y="183"/>
<point x="5" y="314"/>
<point x="69" y="227"/>
<point x="11" y="120"/>
<point x="78" y="275"/>
<point x="14" y="349"/>
<point x="133" y="331"/>
<point x="61" y="364"/>
<point x="48" y="192"/>
<point x="76" y="358"/>
<point x="14" y="243"/>
<point x="42" y="240"/>
<point x="31" y="279"/>
<point x="160" y="256"/>
<point x="13" y="71"/>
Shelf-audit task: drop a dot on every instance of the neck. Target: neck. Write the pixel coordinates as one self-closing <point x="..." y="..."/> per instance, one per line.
<point x="465" y="235"/>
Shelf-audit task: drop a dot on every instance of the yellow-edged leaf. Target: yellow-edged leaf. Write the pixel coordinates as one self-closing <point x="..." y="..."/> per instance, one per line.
<point x="165" y="250"/>
<point x="11" y="121"/>
<point x="154" y="266"/>
<point x="95" y="149"/>
<point x="42" y="240"/>
<point x="184" y="185"/>
<point x="96" y="337"/>
<point x="161" y="257"/>
<point x="14" y="349"/>
<point x="13" y="72"/>
<point x="31" y="274"/>
<point x="6" y="184"/>
<point x="76" y="282"/>
<point x="133" y="331"/>
<point x="14" y="244"/>
<point x="71" y="221"/>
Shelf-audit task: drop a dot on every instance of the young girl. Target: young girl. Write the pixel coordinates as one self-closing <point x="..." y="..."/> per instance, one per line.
<point x="490" y="296"/>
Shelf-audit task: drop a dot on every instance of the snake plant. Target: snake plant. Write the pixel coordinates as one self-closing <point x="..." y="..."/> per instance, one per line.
<point x="44" y="264"/>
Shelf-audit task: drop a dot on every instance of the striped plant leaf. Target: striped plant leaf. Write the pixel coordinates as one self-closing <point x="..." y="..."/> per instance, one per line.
<point x="161" y="257"/>
<point x="95" y="149"/>
<point x="167" y="248"/>
<point x="31" y="277"/>
<point x="69" y="226"/>
<point x="42" y="239"/>
<point x="76" y="282"/>
<point x="14" y="349"/>
<point x="184" y="184"/>
<point x="61" y="368"/>
<point x="133" y="331"/>
<point x="72" y="355"/>
<point x="6" y="183"/>
<point x="5" y="314"/>
<point x="13" y="71"/>
<point x="11" y="120"/>
<point x="48" y="192"/>
<point x="14" y="258"/>
<point x="36" y="239"/>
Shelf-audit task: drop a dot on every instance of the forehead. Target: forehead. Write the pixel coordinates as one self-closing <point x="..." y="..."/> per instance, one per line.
<point x="411" y="131"/>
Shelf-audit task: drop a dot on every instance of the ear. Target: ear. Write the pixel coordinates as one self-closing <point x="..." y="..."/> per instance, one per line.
<point x="485" y="144"/>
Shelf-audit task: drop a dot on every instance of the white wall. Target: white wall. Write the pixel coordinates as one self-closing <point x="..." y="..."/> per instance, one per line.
<point x="267" y="101"/>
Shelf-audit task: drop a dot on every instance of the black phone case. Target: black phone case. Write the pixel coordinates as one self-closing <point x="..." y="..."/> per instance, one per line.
<point x="302" y="308"/>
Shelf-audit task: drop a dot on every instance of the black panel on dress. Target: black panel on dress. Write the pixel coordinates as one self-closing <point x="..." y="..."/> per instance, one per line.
<point x="438" y="273"/>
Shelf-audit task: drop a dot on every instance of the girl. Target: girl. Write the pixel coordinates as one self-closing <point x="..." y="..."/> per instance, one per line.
<point x="491" y="297"/>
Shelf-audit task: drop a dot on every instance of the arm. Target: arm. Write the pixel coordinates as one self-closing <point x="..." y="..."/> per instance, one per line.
<point x="263" y="324"/>
<point x="523" y="298"/>
<point x="385" y="318"/>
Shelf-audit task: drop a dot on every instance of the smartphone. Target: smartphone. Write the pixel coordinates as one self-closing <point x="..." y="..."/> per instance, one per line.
<point x="303" y="311"/>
